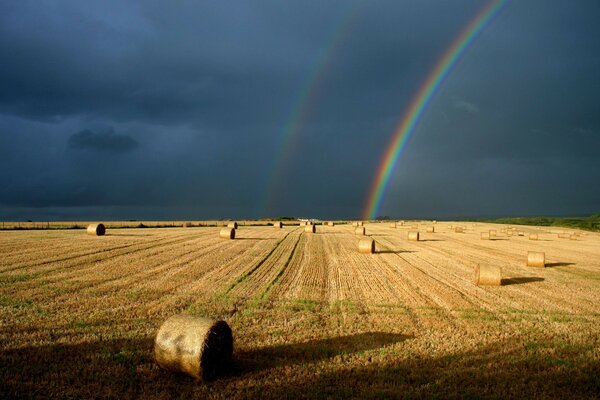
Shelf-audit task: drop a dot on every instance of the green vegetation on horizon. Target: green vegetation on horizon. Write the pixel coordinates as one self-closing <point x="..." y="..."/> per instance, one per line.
<point x="591" y="223"/>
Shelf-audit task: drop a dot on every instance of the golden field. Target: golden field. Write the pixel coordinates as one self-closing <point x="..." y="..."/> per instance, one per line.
<point x="311" y="316"/>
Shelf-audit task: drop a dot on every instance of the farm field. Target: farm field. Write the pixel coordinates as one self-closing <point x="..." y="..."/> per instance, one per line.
<point x="311" y="317"/>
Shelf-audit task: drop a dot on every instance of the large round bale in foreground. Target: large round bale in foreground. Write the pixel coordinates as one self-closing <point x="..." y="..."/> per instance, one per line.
<point x="533" y="236"/>
<point x="227" y="233"/>
<point x="485" y="236"/>
<point x="96" y="229"/>
<point x="488" y="275"/>
<point x="430" y="229"/>
<point x="198" y="347"/>
<point x="277" y="224"/>
<point x="413" y="236"/>
<point x="366" y="246"/>
<point x="232" y="225"/>
<point x="360" y="230"/>
<point x="536" y="259"/>
<point x="309" y="228"/>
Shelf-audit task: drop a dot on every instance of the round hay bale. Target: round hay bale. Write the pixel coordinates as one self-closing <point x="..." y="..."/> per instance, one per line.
<point x="310" y="229"/>
<point x="573" y="237"/>
<point x="413" y="236"/>
<point x="488" y="275"/>
<point x="227" y="233"/>
<point x="187" y="224"/>
<point x="393" y="225"/>
<point x="493" y="233"/>
<point x="430" y="229"/>
<point x="459" y="229"/>
<point x="360" y="231"/>
<point x="533" y="236"/>
<point x="536" y="259"/>
<point x="360" y="223"/>
<point x="196" y="346"/>
<point x="449" y="226"/>
<point x="277" y="224"/>
<point x="366" y="246"/>
<point x="434" y="222"/>
<point x="331" y="223"/>
<point x="485" y="236"/>
<point x="96" y="229"/>
<point x="521" y="233"/>
<point x="401" y="223"/>
<point x="355" y="224"/>
<point x="233" y="225"/>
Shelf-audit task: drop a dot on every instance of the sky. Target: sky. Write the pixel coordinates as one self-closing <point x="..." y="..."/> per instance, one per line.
<point x="250" y="109"/>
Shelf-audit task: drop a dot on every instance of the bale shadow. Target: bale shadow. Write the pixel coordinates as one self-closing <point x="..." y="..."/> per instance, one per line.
<point x="520" y="280"/>
<point x="247" y="238"/>
<point x="392" y="251"/>
<point x="558" y="264"/>
<point x="247" y="361"/>
<point x="431" y="240"/>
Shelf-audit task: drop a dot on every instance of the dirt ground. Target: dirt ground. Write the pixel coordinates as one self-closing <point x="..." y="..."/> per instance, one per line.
<point x="312" y="318"/>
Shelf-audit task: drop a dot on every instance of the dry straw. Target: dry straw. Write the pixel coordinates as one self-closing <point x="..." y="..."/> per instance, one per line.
<point x="430" y="229"/>
<point x="96" y="229"/>
<point x="459" y="229"/>
<point x="366" y="246"/>
<point x="533" y="236"/>
<point x="277" y="224"/>
<point x="360" y="230"/>
<point x="488" y="275"/>
<point x="493" y="232"/>
<point x="227" y="233"/>
<point x="573" y="237"/>
<point x="199" y="347"/>
<point x="413" y="236"/>
<point x="233" y="225"/>
<point x="536" y="259"/>
<point x="564" y="235"/>
<point x="310" y="229"/>
<point x="485" y="236"/>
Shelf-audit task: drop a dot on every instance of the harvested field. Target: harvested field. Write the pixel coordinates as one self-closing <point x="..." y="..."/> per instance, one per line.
<point x="310" y="315"/>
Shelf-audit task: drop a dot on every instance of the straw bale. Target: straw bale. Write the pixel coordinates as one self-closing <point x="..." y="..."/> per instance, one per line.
<point x="536" y="259"/>
<point x="196" y="346"/>
<point x="366" y="245"/>
<point x="96" y="229"/>
<point x="488" y="275"/>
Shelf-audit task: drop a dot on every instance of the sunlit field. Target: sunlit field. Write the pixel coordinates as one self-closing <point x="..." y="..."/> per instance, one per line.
<point x="311" y="316"/>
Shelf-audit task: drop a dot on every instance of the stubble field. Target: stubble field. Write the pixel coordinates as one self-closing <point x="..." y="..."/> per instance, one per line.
<point x="311" y="316"/>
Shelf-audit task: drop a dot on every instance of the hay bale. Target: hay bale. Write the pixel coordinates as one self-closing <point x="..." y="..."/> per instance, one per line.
<point x="360" y="230"/>
<point x="493" y="233"/>
<point x="521" y="233"/>
<point x="459" y="229"/>
<point x="355" y="224"/>
<point x="331" y="223"/>
<point x="573" y="237"/>
<point x="564" y="235"/>
<point x="488" y="275"/>
<point x="536" y="259"/>
<point x="96" y="229"/>
<point x="186" y="224"/>
<point x="449" y="226"/>
<point x="233" y="225"/>
<point x="277" y="224"/>
<point x="393" y="225"/>
<point x="413" y="236"/>
<point x="533" y="236"/>
<point x="430" y="229"/>
<point x="366" y="246"/>
<point x="227" y="233"/>
<point x="310" y="229"/>
<point x="360" y="223"/>
<point x="401" y="223"/>
<point x="434" y="222"/>
<point x="485" y="236"/>
<point x="196" y="346"/>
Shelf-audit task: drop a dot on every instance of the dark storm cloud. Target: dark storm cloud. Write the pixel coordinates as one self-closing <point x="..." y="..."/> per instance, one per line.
<point x="107" y="141"/>
<point x="200" y="95"/>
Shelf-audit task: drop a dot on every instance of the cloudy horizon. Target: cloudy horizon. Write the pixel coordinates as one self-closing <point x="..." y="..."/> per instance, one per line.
<point x="262" y="109"/>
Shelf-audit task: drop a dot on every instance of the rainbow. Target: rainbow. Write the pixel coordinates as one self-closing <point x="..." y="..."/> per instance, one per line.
<point x="422" y="99"/>
<point x="307" y="97"/>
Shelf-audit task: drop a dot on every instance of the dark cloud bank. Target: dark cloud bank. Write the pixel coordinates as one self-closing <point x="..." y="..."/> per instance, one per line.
<point x="178" y="110"/>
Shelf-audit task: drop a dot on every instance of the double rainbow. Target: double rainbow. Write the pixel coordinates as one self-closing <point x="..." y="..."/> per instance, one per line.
<point x="421" y="100"/>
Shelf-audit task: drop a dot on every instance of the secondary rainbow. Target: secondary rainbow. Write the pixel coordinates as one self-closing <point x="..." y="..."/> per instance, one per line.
<point x="306" y="99"/>
<point x="421" y="100"/>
